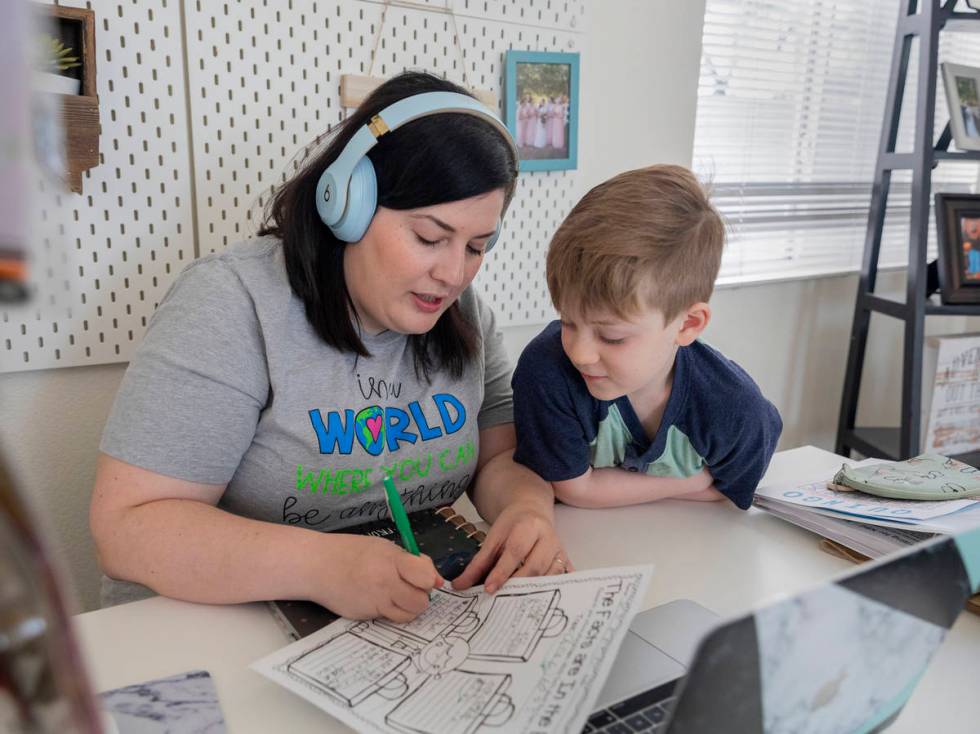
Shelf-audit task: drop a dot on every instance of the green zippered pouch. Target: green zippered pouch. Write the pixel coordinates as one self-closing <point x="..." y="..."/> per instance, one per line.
<point x="925" y="477"/>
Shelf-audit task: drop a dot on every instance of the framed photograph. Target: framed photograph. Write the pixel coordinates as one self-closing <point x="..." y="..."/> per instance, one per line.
<point x="541" y="106"/>
<point x="962" y="84"/>
<point x="958" y="230"/>
<point x="66" y="71"/>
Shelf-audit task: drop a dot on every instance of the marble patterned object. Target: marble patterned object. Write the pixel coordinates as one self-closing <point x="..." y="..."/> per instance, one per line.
<point x="186" y="703"/>
<point x="830" y="657"/>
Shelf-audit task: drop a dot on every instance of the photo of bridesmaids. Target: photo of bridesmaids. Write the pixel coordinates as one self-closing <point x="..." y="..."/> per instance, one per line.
<point x="541" y="107"/>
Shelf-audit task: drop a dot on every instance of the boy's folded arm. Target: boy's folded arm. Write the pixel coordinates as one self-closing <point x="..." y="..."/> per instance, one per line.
<point x="615" y="487"/>
<point x="710" y="494"/>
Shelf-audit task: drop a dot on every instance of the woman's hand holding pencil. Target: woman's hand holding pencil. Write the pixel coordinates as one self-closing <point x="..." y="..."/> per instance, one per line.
<point x="369" y="577"/>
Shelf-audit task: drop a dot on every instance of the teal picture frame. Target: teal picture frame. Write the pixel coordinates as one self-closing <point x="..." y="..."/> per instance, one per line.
<point x="546" y="132"/>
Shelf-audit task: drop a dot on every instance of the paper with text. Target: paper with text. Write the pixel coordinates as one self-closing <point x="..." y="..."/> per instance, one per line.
<point x="530" y="658"/>
<point x="954" y="414"/>
<point x="859" y="504"/>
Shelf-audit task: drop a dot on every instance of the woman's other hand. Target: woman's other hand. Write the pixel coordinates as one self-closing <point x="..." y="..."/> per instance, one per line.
<point x="521" y="542"/>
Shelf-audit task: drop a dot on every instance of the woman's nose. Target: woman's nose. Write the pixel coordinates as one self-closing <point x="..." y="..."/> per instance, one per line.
<point x="450" y="266"/>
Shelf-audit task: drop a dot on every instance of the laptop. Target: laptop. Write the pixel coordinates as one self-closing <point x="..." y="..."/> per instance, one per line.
<point x="844" y="656"/>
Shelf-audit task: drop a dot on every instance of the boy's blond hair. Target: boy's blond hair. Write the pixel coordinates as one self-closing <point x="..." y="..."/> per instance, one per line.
<point x="645" y="238"/>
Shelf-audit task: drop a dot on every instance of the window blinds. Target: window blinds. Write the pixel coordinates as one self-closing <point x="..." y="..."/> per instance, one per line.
<point x="791" y="100"/>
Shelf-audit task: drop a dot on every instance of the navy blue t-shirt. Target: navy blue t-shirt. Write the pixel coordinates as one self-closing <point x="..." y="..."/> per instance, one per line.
<point x="715" y="417"/>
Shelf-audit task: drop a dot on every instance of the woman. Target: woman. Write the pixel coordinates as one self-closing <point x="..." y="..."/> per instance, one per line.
<point x="540" y="124"/>
<point x="525" y="111"/>
<point x="556" y="123"/>
<point x="280" y="381"/>
<point x="530" y="120"/>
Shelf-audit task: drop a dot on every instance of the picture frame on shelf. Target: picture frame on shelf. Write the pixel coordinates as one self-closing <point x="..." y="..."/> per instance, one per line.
<point x="66" y="40"/>
<point x="541" y="100"/>
<point x="958" y="234"/>
<point x="962" y="85"/>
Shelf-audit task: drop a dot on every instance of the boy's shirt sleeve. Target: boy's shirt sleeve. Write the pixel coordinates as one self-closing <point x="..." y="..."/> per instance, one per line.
<point x="551" y="436"/>
<point x="752" y="427"/>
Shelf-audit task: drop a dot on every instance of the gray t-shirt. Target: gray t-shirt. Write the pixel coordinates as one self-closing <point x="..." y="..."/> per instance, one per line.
<point x="232" y="385"/>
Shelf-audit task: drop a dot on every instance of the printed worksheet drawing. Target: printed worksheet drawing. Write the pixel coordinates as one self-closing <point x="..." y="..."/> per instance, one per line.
<point x="530" y="658"/>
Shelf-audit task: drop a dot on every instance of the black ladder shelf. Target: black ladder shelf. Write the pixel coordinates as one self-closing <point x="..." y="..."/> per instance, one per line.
<point x="895" y="443"/>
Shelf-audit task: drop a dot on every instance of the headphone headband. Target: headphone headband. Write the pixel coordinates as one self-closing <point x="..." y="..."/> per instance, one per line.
<point x="347" y="179"/>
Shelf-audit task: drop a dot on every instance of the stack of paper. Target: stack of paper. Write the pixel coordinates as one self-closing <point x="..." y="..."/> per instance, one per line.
<point x="873" y="526"/>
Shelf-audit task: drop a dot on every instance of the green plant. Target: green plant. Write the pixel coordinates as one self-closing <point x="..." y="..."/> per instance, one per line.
<point x="57" y="57"/>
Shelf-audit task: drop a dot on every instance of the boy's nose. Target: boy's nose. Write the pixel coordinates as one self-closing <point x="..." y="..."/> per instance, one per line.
<point x="581" y="351"/>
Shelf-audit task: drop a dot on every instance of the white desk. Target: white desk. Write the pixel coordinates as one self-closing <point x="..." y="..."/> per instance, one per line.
<point x="721" y="557"/>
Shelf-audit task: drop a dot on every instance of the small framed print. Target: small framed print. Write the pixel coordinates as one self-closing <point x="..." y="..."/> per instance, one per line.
<point x="541" y="106"/>
<point x="958" y="231"/>
<point x="962" y="84"/>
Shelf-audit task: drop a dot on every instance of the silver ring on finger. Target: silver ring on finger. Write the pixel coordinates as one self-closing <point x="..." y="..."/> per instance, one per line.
<point x="560" y="562"/>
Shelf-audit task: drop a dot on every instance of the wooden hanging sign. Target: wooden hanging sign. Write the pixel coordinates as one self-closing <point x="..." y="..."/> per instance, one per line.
<point x="354" y="89"/>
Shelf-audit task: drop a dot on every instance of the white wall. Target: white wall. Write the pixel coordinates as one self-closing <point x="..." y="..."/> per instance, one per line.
<point x="52" y="422"/>
<point x="639" y="78"/>
<point x="639" y="104"/>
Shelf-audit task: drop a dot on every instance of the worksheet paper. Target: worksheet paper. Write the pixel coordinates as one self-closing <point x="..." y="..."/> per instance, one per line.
<point x="530" y="658"/>
<point x="861" y="505"/>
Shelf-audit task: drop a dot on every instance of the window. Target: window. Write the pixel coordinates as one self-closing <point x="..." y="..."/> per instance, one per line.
<point x="791" y="99"/>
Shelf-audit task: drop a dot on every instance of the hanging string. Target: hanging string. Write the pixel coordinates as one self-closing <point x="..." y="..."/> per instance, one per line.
<point x="457" y="41"/>
<point x="377" y="36"/>
<point x="447" y="10"/>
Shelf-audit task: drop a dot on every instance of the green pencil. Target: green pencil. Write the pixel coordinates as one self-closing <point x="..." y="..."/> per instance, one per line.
<point x="398" y="514"/>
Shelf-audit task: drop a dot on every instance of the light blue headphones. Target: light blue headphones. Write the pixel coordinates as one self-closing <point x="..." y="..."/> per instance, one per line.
<point x="347" y="192"/>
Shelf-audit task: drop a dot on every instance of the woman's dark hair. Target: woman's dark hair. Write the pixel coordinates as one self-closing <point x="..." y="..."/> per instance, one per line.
<point x="428" y="161"/>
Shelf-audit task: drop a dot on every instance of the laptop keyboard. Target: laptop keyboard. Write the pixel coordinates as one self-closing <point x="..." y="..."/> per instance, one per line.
<point x="644" y="712"/>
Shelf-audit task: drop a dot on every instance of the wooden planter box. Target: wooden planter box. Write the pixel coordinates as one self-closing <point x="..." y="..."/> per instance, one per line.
<point x="75" y="27"/>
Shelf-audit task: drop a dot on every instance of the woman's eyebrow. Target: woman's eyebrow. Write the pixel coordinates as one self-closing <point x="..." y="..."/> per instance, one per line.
<point x="448" y="227"/>
<point x="438" y="221"/>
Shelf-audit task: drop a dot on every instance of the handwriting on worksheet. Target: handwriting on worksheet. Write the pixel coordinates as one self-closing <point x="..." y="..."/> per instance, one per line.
<point x="532" y="657"/>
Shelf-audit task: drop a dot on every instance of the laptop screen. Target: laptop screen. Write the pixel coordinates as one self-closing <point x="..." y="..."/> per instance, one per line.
<point x="842" y="657"/>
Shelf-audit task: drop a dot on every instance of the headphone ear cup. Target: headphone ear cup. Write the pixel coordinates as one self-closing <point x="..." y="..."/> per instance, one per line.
<point x="493" y="240"/>
<point x="362" y="202"/>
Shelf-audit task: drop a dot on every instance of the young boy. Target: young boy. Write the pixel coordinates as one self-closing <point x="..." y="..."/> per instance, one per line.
<point x="619" y="403"/>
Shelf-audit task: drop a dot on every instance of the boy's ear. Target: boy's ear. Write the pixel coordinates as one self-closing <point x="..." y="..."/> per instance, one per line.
<point x="695" y="319"/>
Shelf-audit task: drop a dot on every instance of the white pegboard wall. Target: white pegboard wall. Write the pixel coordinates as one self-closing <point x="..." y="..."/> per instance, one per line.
<point x="264" y="82"/>
<point x="101" y="261"/>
